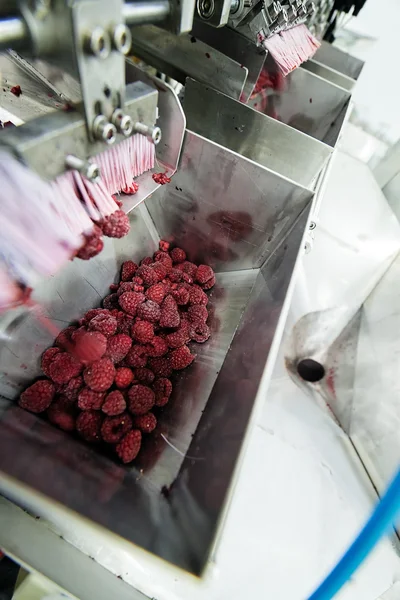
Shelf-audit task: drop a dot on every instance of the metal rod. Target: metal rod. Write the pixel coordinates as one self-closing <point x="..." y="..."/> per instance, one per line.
<point x="142" y="12"/>
<point x="13" y="32"/>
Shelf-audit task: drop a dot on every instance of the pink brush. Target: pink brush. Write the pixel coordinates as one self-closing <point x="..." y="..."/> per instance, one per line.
<point x="291" y="47"/>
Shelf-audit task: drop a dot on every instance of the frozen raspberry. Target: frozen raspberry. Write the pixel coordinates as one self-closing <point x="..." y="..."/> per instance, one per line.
<point x="169" y="318"/>
<point x="142" y="332"/>
<point x="180" y="295"/>
<point x="124" y="323"/>
<point x="157" y="347"/>
<point x="197" y="314"/>
<point x="137" y="356"/>
<point x="199" y="332"/>
<point x="162" y="389"/>
<point x="90" y="400"/>
<point x="175" y="275"/>
<point x="156" y="293"/>
<point x="128" y="448"/>
<point x="90" y="346"/>
<point x="130" y="301"/>
<point x="113" y="287"/>
<point x="72" y="388"/>
<point x="64" y="337"/>
<point x="138" y="288"/>
<point x="125" y="286"/>
<point x="160" y="366"/>
<point x="105" y="324"/>
<point x="114" y="428"/>
<point x="160" y="270"/>
<point x="110" y="301"/>
<point x="63" y="367"/>
<point x="180" y="358"/>
<point x="137" y="280"/>
<point x="163" y="245"/>
<point x="16" y="90"/>
<point x="149" y="311"/>
<point x="178" y="338"/>
<point x="197" y="296"/>
<point x="187" y="278"/>
<point x="128" y="270"/>
<point x="203" y="274"/>
<point x="62" y="415"/>
<point x="78" y="333"/>
<point x="116" y="225"/>
<point x="130" y="189"/>
<point x="164" y="258"/>
<point x="118" y="347"/>
<point x="92" y="246"/>
<point x="146" y="423"/>
<point x="188" y="267"/>
<point x="88" y="425"/>
<point x="148" y="275"/>
<point x="114" y="404"/>
<point x="123" y="377"/>
<point x="99" y="376"/>
<point x="178" y="255"/>
<point x="144" y="375"/>
<point x="38" y="396"/>
<point x="147" y="260"/>
<point x="209" y="284"/>
<point x="161" y="178"/>
<point x="140" y="399"/>
<point x="92" y="313"/>
<point x="47" y="358"/>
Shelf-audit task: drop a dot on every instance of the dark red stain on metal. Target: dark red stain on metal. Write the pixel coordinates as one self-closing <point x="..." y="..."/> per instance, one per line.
<point x="207" y="54"/>
<point x="330" y="382"/>
<point x="16" y="90"/>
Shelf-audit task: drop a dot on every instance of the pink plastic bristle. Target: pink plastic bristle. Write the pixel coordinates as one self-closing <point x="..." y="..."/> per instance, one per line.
<point x="291" y="47"/>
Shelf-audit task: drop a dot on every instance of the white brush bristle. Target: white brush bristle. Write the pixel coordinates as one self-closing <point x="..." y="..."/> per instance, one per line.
<point x="292" y="47"/>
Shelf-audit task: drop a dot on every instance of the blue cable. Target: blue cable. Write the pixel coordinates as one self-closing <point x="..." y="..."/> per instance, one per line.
<point x="382" y="519"/>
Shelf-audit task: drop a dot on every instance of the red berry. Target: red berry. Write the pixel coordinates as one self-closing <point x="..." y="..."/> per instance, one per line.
<point x="128" y="448"/>
<point x="90" y="346"/>
<point x="16" y="90"/>
<point x="124" y="323"/>
<point x="88" y="425"/>
<point x="144" y="375"/>
<point x="105" y="324"/>
<point x="149" y="311"/>
<point x="209" y="284"/>
<point x="156" y="293"/>
<point x="92" y="313"/>
<point x="199" y="332"/>
<point x="180" y="295"/>
<point x="62" y="415"/>
<point x="180" y="358"/>
<point x="72" y="388"/>
<point x="197" y="314"/>
<point x="159" y="269"/>
<point x="114" y="428"/>
<point x="110" y="301"/>
<point x="118" y="347"/>
<point x="142" y="332"/>
<point x="178" y="255"/>
<point x="146" y="423"/>
<point x="203" y="274"/>
<point x="169" y="318"/>
<point x="92" y="246"/>
<point x="123" y="377"/>
<point x="38" y="396"/>
<point x="47" y="358"/>
<point x="114" y="404"/>
<point x="137" y="356"/>
<point x="164" y="258"/>
<point x="147" y="260"/>
<point x="113" y="287"/>
<point x="140" y="399"/>
<point x="163" y="245"/>
<point x="90" y="400"/>
<point x="116" y="225"/>
<point x="148" y="275"/>
<point x="178" y="338"/>
<point x="137" y="280"/>
<point x="197" y="296"/>
<point x="175" y="275"/>
<point x="130" y="301"/>
<point x="162" y="390"/>
<point x="160" y="367"/>
<point x="157" y="347"/>
<point x="64" y="337"/>
<point x="63" y="367"/>
<point x="188" y="267"/>
<point x="99" y="376"/>
<point x="125" y="286"/>
<point x="128" y="270"/>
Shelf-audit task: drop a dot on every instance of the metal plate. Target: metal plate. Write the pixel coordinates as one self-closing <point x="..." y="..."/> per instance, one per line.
<point x="329" y="74"/>
<point x="338" y="60"/>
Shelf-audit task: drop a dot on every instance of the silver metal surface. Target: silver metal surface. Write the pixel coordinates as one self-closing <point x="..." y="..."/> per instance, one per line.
<point x="180" y="56"/>
<point x="329" y="74"/>
<point x="338" y="60"/>
<point x="13" y="33"/>
<point x="140" y="13"/>
<point x="122" y="38"/>
<point x="254" y="135"/>
<point x="216" y="13"/>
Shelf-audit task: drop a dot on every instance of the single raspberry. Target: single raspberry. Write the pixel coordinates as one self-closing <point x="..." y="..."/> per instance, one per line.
<point x="156" y="293"/>
<point x="124" y="323"/>
<point x="137" y="356"/>
<point x="197" y="296"/>
<point x="16" y="90"/>
<point x="90" y="400"/>
<point x="47" y="358"/>
<point x="138" y="288"/>
<point x="149" y="311"/>
<point x="88" y="425"/>
<point x="114" y="404"/>
<point x="175" y="275"/>
<point x="146" y="423"/>
<point x="64" y="337"/>
<point x="144" y="375"/>
<point x="125" y="286"/>
<point x="93" y="312"/>
<point x="128" y="270"/>
<point x="199" y="332"/>
<point x="180" y="358"/>
<point x="148" y="275"/>
<point x="161" y="178"/>
<point x="72" y="388"/>
<point x="99" y="376"/>
<point x="147" y="260"/>
<point x="203" y="274"/>
<point x="209" y="284"/>
<point x="160" y="366"/>
<point x="169" y="318"/>
<point x="92" y="246"/>
<point x="164" y="258"/>
<point x="114" y="428"/>
<point x="160" y="270"/>
<point x="123" y="377"/>
<point x="62" y="415"/>
<point x="180" y="295"/>
<point x="78" y="333"/>
<point x="63" y="367"/>
<point x="38" y="396"/>
<point x="110" y="301"/>
<point x="118" y="347"/>
<point x="90" y="346"/>
<point x="162" y="389"/>
<point x="163" y="245"/>
<point x="137" y="280"/>
<point x="130" y="301"/>
<point x="130" y="189"/>
<point x="178" y="255"/>
<point x="128" y="448"/>
<point x="157" y="347"/>
<point x="187" y="278"/>
<point x="188" y="267"/>
<point x="113" y="287"/>
<point x="105" y="324"/>
<point x="197" y="314"/>
<point x="116" y="225"/>
<point x="140" y="399"/>
<point x="142" y="332"/>
<point x="178" y="338"/>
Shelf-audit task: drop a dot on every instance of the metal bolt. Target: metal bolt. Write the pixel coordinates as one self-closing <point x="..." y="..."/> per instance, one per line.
<point x="312" y="225"/>
<point x="122" y="122"/>
<point x="104" y="130"/>
<point x="205" y="8"/>
<point x="89" y="170"/>
<point x="98" y="43"/>
<point x="235" y="5"/>
<point x="149" y="130"/>
<point x="122" y="38"/>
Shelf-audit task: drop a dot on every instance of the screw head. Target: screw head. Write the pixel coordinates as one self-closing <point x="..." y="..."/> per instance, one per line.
<point x="122" y="122"/>
<point x="92" y="171"/>
<point x="156" y="135"/>
<point x="122" y="38"/>
<point x="103" y="130"/>
<point x="205" y="8"/>
<point x="98" y="43"/>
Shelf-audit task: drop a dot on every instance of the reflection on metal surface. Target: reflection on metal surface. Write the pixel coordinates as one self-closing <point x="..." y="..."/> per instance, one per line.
<point x="339" y="61"/>
<point x="343" y="81"/>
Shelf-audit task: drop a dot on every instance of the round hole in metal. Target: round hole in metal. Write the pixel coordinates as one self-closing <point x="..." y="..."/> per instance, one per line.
<point x="310" y="370"/>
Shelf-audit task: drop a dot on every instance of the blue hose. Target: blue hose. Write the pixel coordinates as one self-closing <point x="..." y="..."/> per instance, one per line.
<point x="381" y="520"/>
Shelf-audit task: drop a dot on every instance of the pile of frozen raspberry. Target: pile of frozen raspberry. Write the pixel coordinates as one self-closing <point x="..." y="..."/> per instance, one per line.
<point x="108" y="376"/>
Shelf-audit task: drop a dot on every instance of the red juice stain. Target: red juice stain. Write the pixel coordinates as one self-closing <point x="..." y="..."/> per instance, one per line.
<point x="16" y="90"/>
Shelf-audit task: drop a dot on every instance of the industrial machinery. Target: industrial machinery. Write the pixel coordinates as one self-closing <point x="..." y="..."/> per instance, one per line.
<point x="240" y="199"/>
